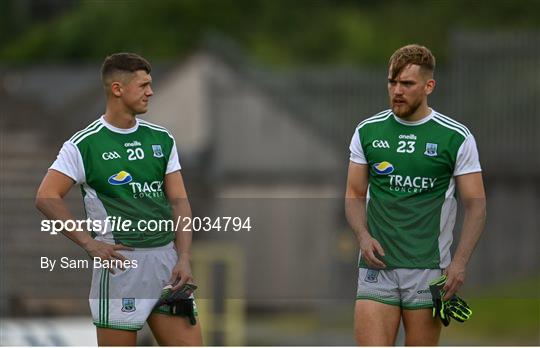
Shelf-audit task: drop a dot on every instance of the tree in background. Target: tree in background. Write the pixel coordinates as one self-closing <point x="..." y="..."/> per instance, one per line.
<point x="276" y="32"/>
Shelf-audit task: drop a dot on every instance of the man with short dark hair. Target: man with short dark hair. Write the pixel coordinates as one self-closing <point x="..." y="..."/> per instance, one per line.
<point x="128" y="170"/>
<point x="404" y="166"/>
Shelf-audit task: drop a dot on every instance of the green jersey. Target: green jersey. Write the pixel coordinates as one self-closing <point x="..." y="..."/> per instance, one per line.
<point x="411" y="205"/>
<point x="121" y="173"/>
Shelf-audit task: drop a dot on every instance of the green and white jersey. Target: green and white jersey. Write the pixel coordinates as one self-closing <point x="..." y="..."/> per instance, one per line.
<point x="411" y="205"/>
<point x="121" y="173"/>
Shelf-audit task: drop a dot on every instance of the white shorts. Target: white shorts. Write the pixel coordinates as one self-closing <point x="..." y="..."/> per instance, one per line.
<point x="126" y="299"/>
<point x="403" y="287"/>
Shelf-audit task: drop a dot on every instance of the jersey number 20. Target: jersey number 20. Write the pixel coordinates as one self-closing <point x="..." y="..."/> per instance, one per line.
<point x="135" y="154"/>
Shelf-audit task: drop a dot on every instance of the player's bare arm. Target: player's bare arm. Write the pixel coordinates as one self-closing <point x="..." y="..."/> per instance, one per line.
<point x="472" y="195"/>
<point x="50" y="201"/>
<point x="355" y="211"/>
<point x="177" y="197"/>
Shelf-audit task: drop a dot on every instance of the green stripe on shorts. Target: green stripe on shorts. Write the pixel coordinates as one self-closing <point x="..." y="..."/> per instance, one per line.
<point x="120" y="325"/>
<point x="101" y="297"/>
<point x="104" y="297"/>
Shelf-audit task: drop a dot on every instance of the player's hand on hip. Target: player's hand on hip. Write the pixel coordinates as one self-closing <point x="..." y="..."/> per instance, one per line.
<point x="181" y="274"/>
<point x="455" y="276"/>
<point x="371" y="251"/>
<point x="105" y="251"/>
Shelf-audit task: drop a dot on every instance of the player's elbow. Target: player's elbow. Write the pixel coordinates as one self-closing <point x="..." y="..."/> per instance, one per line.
<point x="44" y="195"/>
<point x="180" y="206"/>
<point x="354" y="192"/>
<point x="477" y="207"/>
<point x="39" y="201"/>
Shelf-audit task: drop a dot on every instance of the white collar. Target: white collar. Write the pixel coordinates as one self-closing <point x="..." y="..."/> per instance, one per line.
<point x="119" y="130"/>
<point x="415" y="123"/>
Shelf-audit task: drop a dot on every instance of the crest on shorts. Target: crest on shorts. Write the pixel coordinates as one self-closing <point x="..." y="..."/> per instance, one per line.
<point x="157" y="151"/>
<point x="128" y="304"/>
<point x="371" y="276"/>
<point x="431" y="150"/>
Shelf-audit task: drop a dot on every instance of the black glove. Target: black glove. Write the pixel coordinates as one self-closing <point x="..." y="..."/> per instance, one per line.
<point x="437" y="295"/>
<point x="179" y="302"/>
<point x="458" y="309"/>
<point x="455" y="307"/>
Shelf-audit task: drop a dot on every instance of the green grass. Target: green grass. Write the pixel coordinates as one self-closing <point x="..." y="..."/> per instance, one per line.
<point x="507" y="314"/>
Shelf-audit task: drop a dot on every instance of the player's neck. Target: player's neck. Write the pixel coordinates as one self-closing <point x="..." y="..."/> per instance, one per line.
<point x="120" y="119"/>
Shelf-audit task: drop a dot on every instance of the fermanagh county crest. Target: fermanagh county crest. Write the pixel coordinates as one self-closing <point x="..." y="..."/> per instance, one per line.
<point x="431" y="150"/>
<point x="371" y="276"/>
<point x="157" y="151"/>
<point x="128" y="304"/>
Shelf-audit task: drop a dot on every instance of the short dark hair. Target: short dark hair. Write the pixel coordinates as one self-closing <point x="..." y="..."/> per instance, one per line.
<point x="123" y="62"/>
<point x="411" y="54"/>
